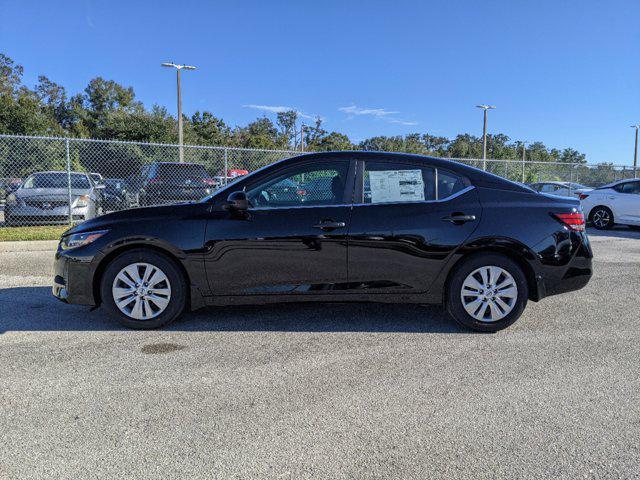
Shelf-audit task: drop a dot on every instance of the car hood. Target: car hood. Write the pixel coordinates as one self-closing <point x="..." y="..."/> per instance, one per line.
<point x="157" y="213"/>
<point x="49" y="192"/>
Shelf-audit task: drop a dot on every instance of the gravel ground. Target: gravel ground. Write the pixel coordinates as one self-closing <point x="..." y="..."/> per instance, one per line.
<point x="323" y="391"/>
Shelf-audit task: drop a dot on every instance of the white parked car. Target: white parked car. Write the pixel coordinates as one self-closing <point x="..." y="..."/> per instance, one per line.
<point x="615" y="203"/>
<point x="563" y="189"/>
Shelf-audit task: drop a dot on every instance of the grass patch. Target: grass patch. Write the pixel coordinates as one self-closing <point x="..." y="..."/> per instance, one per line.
<point x="9" y="234"/>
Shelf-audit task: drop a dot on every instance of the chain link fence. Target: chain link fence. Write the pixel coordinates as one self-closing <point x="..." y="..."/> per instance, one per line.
<point x="63" y="181"/>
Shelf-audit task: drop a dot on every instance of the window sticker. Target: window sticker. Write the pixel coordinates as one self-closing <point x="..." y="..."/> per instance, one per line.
<point x="396" y="186"/>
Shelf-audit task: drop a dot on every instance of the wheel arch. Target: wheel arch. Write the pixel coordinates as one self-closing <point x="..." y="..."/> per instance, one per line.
<point x="116" y="252"/>
<point x="512" y="249"/>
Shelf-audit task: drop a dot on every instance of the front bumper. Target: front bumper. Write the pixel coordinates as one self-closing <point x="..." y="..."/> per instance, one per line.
<point x="25" y="214"/>
<point x="72" y="281"/>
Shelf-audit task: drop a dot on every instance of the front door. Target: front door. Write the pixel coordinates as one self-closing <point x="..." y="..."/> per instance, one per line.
<point x="293" y="238"/>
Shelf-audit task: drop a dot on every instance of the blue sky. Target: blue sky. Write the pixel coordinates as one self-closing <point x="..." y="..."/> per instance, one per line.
<point x="563" y="72"/>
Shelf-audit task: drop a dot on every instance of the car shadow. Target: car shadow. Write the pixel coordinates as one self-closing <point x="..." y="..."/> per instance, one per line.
<point x="617" y="232"/>
<point x="35" y="309"/>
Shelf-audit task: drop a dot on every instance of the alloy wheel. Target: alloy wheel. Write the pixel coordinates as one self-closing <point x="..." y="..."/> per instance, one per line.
<point x="489" y="293"/>
<point x="141" y="291"/>
<point x="601" y="218"/>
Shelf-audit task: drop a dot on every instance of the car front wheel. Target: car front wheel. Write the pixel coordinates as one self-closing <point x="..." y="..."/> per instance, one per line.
<point x="487" y="292"/>
<point x="143" y="289"/>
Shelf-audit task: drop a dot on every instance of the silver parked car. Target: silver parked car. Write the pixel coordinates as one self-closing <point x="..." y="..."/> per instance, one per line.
<point x="43" y="199"/>
<point x="563" y="189"/>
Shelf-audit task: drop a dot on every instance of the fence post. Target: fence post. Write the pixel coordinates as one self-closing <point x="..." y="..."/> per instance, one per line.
<point x="226" y="167"/>
<point x="523" y="169"/>
<point x="69" y="180"/>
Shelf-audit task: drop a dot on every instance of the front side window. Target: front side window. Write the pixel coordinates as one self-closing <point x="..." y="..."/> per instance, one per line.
<point x="308" y="185"/>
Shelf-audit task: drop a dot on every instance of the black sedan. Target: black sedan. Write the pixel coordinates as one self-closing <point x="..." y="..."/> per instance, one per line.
<point x="427" y="231"/>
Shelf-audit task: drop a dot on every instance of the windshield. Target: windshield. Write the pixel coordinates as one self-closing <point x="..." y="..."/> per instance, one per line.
<point x="56" y="180"/>
<point x="190" y="170"/>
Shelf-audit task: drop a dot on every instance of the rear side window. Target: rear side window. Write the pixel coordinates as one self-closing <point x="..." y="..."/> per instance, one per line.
<point x="449" y="184"/>
<point x="389" y="182"/>
<point x="629" y="187"/>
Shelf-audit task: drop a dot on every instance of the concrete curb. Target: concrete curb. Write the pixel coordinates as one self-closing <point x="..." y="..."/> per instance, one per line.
<point x="29" y="246"/>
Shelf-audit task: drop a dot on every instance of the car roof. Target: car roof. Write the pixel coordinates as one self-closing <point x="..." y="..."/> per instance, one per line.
<point x="176" y="163"/>
<point x="59" y="171"/>
<point x="475" y="175"/>
<point x="619" y="182"/>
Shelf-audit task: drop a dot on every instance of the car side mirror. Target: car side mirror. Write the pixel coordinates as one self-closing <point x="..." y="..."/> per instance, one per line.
<point x="237" y="201"/>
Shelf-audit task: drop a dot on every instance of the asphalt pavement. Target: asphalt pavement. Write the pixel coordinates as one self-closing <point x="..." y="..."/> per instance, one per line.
<point x="323" y="391"/>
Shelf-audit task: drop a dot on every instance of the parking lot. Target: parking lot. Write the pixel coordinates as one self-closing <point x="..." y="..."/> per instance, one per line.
<point x="322" y="391"/>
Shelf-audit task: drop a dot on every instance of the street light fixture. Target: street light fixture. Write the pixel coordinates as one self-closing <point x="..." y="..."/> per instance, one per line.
<point x="635" y="154"/>
<point x="484" y="134"/>
<point x="179" y="68"/>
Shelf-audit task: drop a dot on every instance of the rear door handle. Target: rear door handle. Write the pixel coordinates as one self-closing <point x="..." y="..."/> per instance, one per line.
<point x="459" y="218"/>
<point x="328" y="225"/>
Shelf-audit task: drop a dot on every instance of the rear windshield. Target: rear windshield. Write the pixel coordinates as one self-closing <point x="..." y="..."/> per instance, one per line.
<point x="57" y="180"/>
<point x="181" y="171"/>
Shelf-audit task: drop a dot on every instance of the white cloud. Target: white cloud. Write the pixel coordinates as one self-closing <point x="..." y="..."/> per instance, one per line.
<point x="376" y="112"/>
<point x="402" y="122"/>
<point x="383" y="113"/>
<point x="280" y="109"/>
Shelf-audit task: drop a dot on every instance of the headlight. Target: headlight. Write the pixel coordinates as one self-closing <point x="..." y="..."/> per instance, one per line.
<point x="11" y="200"/>
<point x="80" y="239"/>
<point x="82" y="201"/>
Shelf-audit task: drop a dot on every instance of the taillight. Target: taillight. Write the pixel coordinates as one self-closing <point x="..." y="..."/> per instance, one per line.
<point x="582" y="196"/>
<point x="302" y="193"/>
<point x="574" y="220"/>
<point x="209" y="181"/>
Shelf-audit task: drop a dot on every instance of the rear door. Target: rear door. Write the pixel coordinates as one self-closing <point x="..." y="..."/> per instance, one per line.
<point x="407" y="219"/>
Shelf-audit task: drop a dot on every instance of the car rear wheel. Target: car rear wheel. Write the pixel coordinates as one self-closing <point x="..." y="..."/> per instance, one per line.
<point x="487" y="292"/>
<point x="601" y="218"/>
<point x="143" y="289"/>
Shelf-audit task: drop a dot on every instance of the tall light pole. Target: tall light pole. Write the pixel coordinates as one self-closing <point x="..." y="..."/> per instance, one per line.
<point x="485" y="108"/>
<point x="179" y="68"/>
<point x="302" y="127"/>
<point x="635" y="153"/>
<point x="524" y="157"/>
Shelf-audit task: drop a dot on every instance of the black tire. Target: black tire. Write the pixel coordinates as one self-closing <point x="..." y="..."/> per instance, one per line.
<point x="601" y="218"/>
<point x="178" y="298"/>
<point x="461" y="271"/>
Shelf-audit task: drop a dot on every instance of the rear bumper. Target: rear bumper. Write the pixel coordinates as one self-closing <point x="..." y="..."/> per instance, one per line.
<point x="566" y="264"/>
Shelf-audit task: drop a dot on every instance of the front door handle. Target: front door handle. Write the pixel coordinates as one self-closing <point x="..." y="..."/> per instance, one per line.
<point x="328" y="225"/>
<point x="459" y="218"/>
